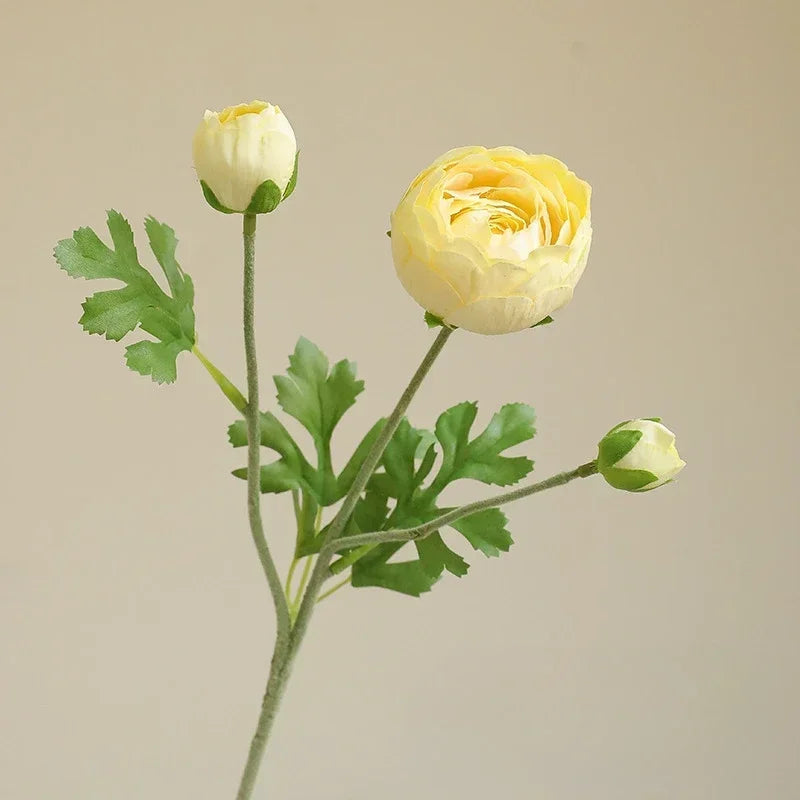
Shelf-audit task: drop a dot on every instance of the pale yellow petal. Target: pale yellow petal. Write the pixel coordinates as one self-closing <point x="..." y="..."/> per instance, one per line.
<point x="494" y="315"/>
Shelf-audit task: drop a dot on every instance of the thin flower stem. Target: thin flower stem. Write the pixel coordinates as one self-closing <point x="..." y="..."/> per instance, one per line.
<point x="252" y="414"/>
<point x="288" y="587"/>
<point x="303" y="583"/>
<point x="335" y="588"/>
<point x="364" y="542"/>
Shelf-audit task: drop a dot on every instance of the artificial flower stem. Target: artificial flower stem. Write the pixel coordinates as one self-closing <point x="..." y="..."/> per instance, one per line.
<point x="228" y="388"/>
<point x="364" y="542"/>
<point x="283" y="658"/>
<point x="252" y="415"/>
<point x="288" y="586"/>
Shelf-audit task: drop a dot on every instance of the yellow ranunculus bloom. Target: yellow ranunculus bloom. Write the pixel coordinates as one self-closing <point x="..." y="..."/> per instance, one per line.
<point x="492" y="241"/>
<point x="239" y="149"/>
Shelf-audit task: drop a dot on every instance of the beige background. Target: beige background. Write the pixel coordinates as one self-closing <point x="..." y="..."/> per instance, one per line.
<point x="629" y="646"/>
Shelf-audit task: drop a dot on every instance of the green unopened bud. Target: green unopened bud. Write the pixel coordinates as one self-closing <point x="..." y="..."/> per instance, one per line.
<point x="639" y="455"/>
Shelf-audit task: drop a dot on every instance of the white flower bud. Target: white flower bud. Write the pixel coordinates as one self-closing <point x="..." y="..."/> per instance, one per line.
<point x="245" y="157"/>
<point x="639" y="455"/>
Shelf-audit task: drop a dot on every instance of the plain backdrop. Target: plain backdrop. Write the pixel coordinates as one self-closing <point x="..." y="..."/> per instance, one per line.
<point x="636" y="647"/>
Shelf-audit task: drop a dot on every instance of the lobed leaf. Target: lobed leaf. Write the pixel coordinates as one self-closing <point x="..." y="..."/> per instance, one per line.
<point x="141" y="302"/>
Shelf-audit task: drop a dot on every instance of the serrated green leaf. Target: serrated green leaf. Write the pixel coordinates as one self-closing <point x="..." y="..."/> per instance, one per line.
<point x="486" y="531"/>
<point x="156" y="359"/>
<point x="348" y="474"/>
<point x="426" y="465"/>
<point x="371" y="511"/>
<point x="406" y="577"/>
<point x="274" y="436"/>
<point x="141" y="302"/>
<point x="293" y="472"/>
<point x="163" y="243"/>
<point x="435" y="557"/>
<point x="276" y="478"/>
<point x="480" y="458"/>
<point x="114" y="313"/>
<point x="399" y="460"/>
<point x="315" y="398"/>
<point x="404" y="467"/>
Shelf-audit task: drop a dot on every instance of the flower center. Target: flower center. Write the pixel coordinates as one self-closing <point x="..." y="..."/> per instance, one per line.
<point x="510" y="212"/>
<point x="231" y="113"/>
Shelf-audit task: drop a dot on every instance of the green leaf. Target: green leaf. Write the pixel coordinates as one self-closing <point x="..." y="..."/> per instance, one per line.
<point x="317" y="396"/>
<point x="371" y="511"/>
<point x="404" y="468"/>
<point x="480" y="458"/>
<point x="406" y="577"/>
<point x="546" y="321"/>
<point x="353" y="466"/>
<point x="141" y="302"/>
<point x="311" y="394"/>
<point x="486" y="531"/>
<point x="435" y="557"/>
<point x="291" y="471"/>
<point x="276" y="478"/>
<point x="399" y="461"/>
<point x="274" y="436"/>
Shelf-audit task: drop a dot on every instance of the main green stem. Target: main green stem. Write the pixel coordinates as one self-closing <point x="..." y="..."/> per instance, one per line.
<point x="272" y="695"/>
<point x="284" y="655"/>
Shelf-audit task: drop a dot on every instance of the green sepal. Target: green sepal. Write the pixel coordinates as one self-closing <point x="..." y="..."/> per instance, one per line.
<point x="614" y="446"/>
<point x="546" y="321"/>
<point x="432" y="321"/>
<point x="629" y="480"/>
<point x="211" y="199"/>
<point x="265" y="198"/>
<point x="293" y="180"/>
